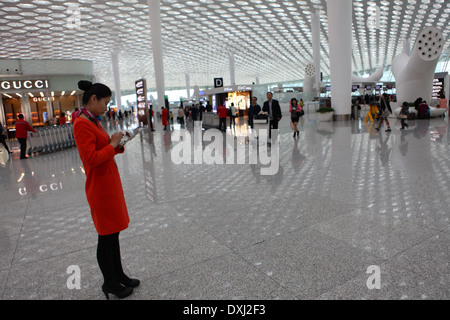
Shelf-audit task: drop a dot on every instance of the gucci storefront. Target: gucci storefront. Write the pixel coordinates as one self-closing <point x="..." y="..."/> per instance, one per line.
<point x="41" y="90"/>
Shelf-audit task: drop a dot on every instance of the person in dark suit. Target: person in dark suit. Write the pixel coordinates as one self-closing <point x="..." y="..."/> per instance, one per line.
<point x="3" y="138"/>
<point x="272" y="107"/>
<point x="253" y="111"/>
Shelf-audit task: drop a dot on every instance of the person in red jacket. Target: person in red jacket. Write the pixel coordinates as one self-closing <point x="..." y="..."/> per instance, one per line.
<point x="22" y="128"/>
<point x="62" y="119"/>
<point x="72" y="118"/>
<point x="164" y="114"/>
<point x="104" y="190"/>
<point x="222" y="111"/>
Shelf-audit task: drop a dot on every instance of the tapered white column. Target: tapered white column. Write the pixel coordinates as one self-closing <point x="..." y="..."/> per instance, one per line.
<point x="116" y="74"/>
<point x="26" y="108"/>
<point x="50" y="107"/>
<point x="232" y="70"/>
<point x="188" y="86"/>
<point x="154" y="7"/>
<point x="315" y="31"/>
<point x="340" y="44"/>
<point x="2" y="113"/>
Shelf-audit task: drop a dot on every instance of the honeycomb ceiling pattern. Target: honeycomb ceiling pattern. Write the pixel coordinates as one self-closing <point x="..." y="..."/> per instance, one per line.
<point x="271" y="39"/>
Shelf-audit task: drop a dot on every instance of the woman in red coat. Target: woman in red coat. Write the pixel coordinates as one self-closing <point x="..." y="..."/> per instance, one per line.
<point x="164" y="114"/>
<point x="103" y="186"/>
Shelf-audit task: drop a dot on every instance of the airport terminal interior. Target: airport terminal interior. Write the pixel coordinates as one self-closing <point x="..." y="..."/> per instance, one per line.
<point x="350" y="212"/>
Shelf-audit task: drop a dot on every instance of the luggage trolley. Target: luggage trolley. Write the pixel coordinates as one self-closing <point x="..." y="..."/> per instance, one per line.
<point x="261" y="124"/>
<point x="47" y="141"/>
<point x="62" y="140"/>
<point x="69" y="134"/>
<point x="51" y="143"/>
<point x="54" y="133"/>
<point x="65" y="136"/>
<point x="34" y="142"/>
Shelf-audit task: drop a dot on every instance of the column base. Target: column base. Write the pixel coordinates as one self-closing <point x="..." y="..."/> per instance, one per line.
<point x="342" y="117"/>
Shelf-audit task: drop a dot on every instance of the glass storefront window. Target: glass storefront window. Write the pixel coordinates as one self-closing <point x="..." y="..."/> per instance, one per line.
<point x="240" y="99"/>
<point x="64" y="104"/>
<point x="38" y="110"/>
<point x="13" y="107"/>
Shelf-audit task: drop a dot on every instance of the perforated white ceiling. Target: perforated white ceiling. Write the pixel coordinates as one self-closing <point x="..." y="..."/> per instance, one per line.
<point x="271" y="39"/>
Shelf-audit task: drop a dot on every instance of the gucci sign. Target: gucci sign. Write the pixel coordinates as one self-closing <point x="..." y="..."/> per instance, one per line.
<point x="23" y="84"/>
<point x="44" y="99"/>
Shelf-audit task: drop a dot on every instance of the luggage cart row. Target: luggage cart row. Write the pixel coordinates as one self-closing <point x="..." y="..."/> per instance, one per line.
<point x="51" y="139"/>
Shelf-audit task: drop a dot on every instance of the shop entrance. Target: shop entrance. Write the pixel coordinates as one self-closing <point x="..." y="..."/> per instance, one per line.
<point x="241" y="100"/>
<point x="13" y="107"/>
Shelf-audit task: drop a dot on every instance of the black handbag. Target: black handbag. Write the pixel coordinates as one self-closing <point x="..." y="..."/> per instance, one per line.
<point x="262" y="117"/>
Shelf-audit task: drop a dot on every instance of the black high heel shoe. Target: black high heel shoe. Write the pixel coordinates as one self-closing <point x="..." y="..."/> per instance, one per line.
<point x="131" y="283"/>
<point x="121" y="293"/>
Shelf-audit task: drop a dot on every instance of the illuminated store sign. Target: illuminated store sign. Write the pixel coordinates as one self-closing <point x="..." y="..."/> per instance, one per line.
<point x="438" y="88"/>
<point x="141" y="97"/>
<point x="43" y="99"/>
<point x="7" y="85"/>
<point x="244" y="88"/>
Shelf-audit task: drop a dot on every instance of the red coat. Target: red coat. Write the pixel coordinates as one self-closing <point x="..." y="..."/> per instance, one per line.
<point x="22" y="128"/>
<point x="222" y="111"/>
<point x="62" y="120"/>
<point x="104" y="190"/>
<point x="164" y="114"/>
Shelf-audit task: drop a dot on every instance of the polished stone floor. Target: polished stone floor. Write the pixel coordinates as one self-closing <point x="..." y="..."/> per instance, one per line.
<point x="345" y="201"/>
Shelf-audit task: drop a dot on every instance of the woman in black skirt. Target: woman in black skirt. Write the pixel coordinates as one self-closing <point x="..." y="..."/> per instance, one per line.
<point x="295" y="110"/>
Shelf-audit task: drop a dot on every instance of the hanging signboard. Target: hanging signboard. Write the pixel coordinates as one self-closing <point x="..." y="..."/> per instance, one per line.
<point x="438" y="88"/>
<point x="142" y="104"/>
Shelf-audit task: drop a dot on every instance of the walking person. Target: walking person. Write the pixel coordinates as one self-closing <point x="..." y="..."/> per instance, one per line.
<point x="272" y="107"/>
<point x="385" y="108"/>
<point x="404" y="115"/>
<point x="72" y="117"/>
<point x="233" y="112"/>
<point x="195" y="112"/>
<point x="296" y="112"/>
<point x="164" y="116"/>
<point x="62" y="120"/>
<point x="104" y="190"/>
<point x="222" y="111"/>
<point x="181" y="116"/>
<point x="22" y="128"/>
<point x="152" y="114"/>
<point x="253" y="111"/>
<point x="3" y="138"/>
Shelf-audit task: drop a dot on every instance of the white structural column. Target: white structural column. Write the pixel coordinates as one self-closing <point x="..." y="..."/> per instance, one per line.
<point x="2" y="113"/>
<point x="188" y="85"/>
<point x="315" y="31"/>
<point x="26" y="108"/>
<point x="414" y="73"/>
<point x="116" y="74"/>
<point x="340" y="43"/>
<point x="232" y="70"/>
<point x="50" y="107"/>
<point x="154" y="7"/>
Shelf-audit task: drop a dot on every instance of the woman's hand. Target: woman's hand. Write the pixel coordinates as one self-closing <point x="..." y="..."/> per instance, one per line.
<point x="115" y="139"/>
